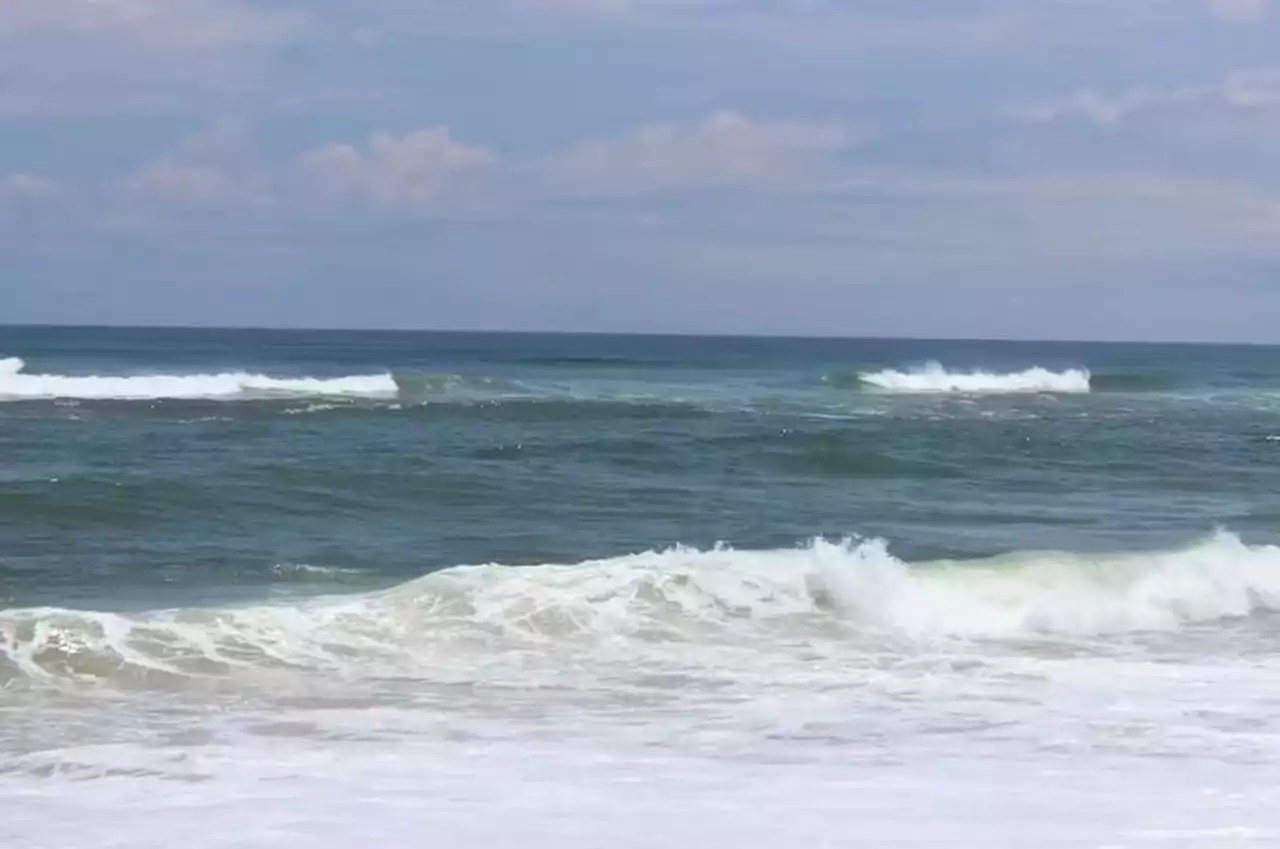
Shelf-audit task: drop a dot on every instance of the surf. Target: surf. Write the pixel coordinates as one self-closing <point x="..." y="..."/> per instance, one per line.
<point x="16" y="384"/>
<point x="679" y="602"/>
<point x="934" y="378"/>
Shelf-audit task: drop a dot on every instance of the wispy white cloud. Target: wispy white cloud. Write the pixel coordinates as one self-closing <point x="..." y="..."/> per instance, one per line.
<point x="220" y="170"/>
<point x="1217" y="131"/>
<point x="23" y="187"/>
<point x="198" y="185"/>
<point x="724" y="150"/>
<point x="215" y="169"/>
<point x="1244" y="90"/>
<point x="419" y="170"/>
<point x="429" y="170"/>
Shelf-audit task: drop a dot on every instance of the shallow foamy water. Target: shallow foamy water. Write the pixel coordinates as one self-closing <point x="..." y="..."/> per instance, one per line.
<point x="828" y="696"/>
<point x="291" y="791"/>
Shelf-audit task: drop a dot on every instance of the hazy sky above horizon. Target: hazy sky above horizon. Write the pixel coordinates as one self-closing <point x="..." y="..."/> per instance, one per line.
<point x="1015" y="168"/>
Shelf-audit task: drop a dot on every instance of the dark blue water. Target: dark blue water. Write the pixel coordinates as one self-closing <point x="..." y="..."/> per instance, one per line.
<point x="146" y="467"/>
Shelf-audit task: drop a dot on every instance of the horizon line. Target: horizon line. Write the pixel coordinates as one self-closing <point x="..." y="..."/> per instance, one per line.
<point x="741" y="335"/>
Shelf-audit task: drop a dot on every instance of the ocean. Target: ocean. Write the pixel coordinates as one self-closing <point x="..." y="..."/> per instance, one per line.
<point x="325" y="589"/>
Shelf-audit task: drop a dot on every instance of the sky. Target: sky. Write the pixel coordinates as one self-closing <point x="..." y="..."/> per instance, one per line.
<point x="1068" y="169"/>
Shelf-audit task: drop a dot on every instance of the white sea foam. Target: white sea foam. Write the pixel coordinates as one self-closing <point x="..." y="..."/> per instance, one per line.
<point x="295" y="793"/>
<point x="18" y="384"/>
<point x="667" y="699"/>
<point x="306" y="570"/>
<point x="466" y="619"/>
<point x="1055" y="593"/>
<point x="932" y="377"/>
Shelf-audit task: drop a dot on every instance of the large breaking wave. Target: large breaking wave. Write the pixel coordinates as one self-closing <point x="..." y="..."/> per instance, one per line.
<point x="469" y="619"/>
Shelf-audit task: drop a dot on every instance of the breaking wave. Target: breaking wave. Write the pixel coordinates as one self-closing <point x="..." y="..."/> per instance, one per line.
<point x="17" y="384"/>
<point x="474" y="618"/>
<point x="932" y="377"/>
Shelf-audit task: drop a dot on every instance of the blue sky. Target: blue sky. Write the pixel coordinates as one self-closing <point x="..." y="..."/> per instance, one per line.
<point x="1010" y="168"/>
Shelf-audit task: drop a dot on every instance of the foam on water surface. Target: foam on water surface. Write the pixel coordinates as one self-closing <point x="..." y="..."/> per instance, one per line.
<point x="934" y="378"/>
<point x="290" y="794"/>
<point x="686" y="601"/>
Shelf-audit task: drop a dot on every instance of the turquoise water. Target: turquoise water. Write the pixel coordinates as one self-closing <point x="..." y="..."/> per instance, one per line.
<point x="332" y="587"/>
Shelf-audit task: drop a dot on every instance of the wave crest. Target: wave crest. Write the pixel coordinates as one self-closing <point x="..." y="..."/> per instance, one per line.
<point x="932" y="377"/>
<point x="1054" y="593"/>
<point x="17" y="384"/>
<point x="467" y="618"/>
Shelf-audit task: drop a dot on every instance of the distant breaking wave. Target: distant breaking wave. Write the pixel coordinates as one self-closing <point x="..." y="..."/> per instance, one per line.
<point x="17" y="384"/>
<point x="459" y="620"/>
<point x="463" y="395"/>
<point x="934" y="378"/>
